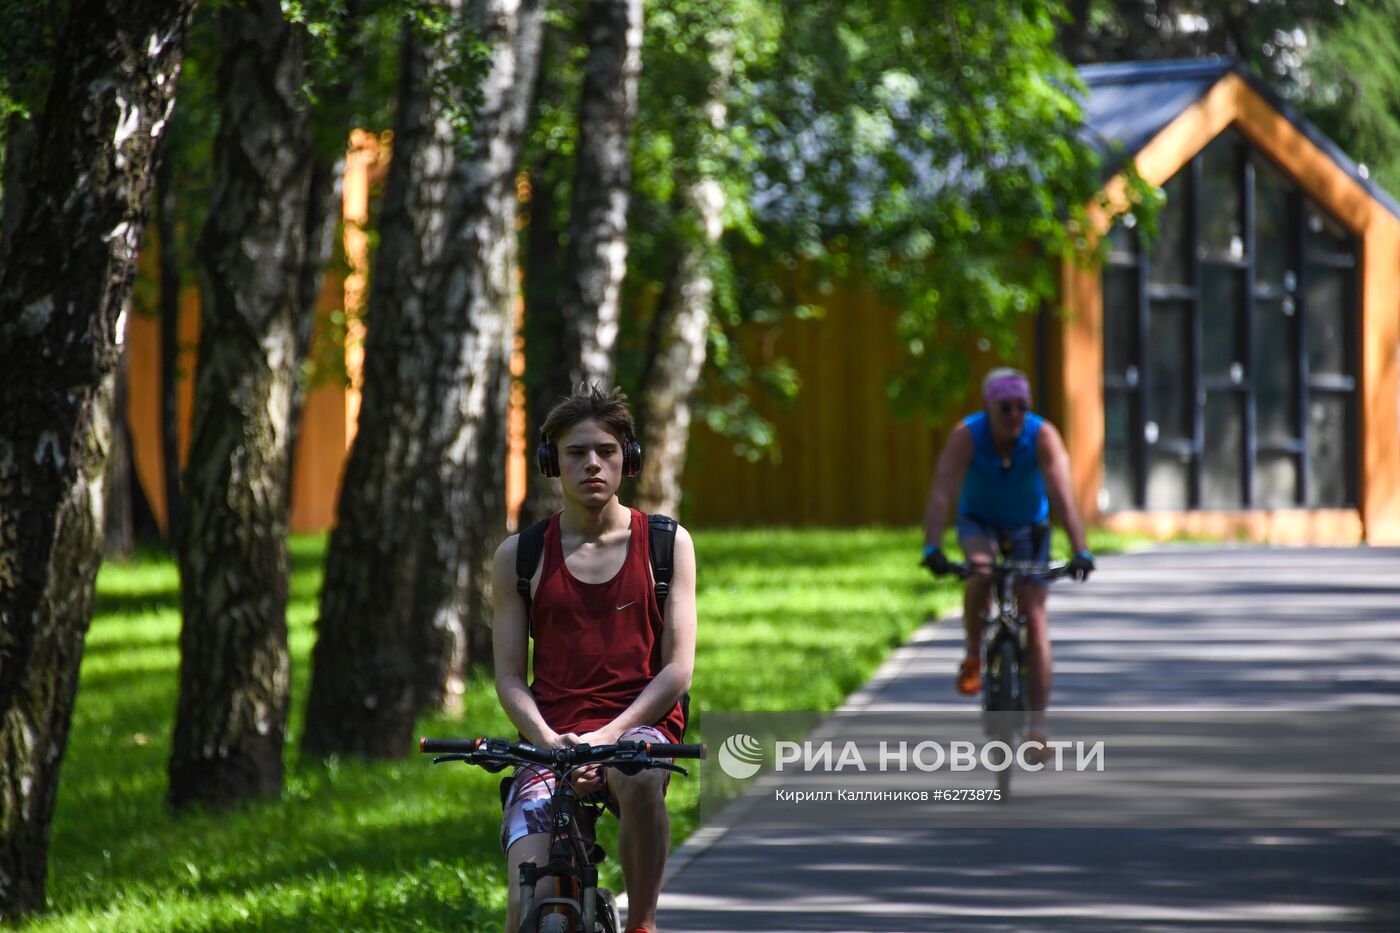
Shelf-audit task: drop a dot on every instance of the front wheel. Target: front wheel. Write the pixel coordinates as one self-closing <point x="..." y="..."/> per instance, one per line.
<point x="1001" y="678"/>
<point x="555" y="923"/>
<point x="607" y="921"/>
<point x="1003" y="705"/>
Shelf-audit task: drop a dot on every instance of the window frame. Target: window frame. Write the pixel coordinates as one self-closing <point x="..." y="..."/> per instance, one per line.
<point x="1305" y="251"/>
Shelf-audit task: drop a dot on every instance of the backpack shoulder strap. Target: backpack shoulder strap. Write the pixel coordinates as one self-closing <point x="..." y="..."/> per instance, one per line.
<point x="661" y="536"/>
<point x="528" y="551"/>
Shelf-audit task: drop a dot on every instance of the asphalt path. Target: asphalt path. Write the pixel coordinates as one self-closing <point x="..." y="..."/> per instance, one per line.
<point x="1305" y="633"/>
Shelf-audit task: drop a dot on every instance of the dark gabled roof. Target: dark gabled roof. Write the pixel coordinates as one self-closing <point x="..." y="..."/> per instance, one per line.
<point x="1129" y="103"/>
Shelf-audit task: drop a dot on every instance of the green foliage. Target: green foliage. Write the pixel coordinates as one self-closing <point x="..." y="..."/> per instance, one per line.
<point x="698" y="56"/>
<point x="31" y="30"/>
<point x="1354" y="91"/>
<point x="456" y="86"/>
<point x="1272" y="36"/>
<point x="1337" y="61"/>
<point x="351" y="64"/>
<point x="933" y="154"/>
<point x="933" y="157"/>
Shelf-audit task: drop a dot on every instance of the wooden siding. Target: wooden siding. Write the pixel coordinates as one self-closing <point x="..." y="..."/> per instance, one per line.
<point x="327" y="426"/>
<point x="846" y="460"/>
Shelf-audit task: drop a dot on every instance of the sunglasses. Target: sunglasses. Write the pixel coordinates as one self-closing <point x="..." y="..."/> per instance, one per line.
<point x="1009" y="407"/>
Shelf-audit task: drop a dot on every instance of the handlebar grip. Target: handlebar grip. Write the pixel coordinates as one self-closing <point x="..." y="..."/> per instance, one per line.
<point x="673" y="750"/>
<point x="448" y="746"/>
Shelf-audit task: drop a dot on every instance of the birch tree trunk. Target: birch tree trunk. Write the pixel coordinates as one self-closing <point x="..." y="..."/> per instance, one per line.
<point x="363" y="693"/>
<point x="680" y="340"/>
<point x="597" y="254"/>
<point x="393" y="625"/>
<point x="680" y="331"/>
<point x="64" y="277"/>
<point x="463" y="479"/>
<point x="234" y="666"/>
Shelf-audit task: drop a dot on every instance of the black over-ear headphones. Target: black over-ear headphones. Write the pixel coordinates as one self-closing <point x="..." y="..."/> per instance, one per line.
<point x="547" y="456"/>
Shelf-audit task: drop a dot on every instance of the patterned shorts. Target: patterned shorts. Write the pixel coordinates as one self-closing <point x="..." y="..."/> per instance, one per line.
<point x="527" y="805"/>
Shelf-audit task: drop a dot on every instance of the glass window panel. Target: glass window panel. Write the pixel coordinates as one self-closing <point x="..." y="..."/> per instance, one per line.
<point x="1273" y="240"/>
<point x="1326" y="313"/>
<point x="1222" y="202"/>
<point x="1325" y="235"/>
<point x="1276" y="481"/>
<point x="1120" y="300"/>
<point x="1222" y="477"/>
<point x="1168" y="481"/>
<point x="1170" y="264"/>
<point x="1169" y="369"/>
<point x="1220" y="301"/>
<point x="1329" y="473"/>
<point x="1274" y="343"/>
<point x="1118" y="467"/>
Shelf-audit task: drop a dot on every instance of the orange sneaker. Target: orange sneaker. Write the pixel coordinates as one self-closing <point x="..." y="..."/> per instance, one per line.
<point x="970" y="677"/>
<point x="1038" y="752"/>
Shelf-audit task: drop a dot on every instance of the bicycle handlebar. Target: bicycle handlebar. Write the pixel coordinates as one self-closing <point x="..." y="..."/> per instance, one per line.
<point x="485" y="749"/>
<point x="1021" y="568"/>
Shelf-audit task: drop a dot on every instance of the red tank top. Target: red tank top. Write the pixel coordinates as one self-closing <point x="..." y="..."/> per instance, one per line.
<point x="597" y="645"/>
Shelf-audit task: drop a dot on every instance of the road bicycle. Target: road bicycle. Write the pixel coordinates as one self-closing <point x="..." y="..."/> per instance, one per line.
<point x="579" y="905"/>
<point x="1005" y="714"/>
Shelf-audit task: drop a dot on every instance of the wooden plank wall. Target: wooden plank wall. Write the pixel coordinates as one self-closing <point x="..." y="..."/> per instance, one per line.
<point x="322" y="444"/>
<point x="846" y="460"/>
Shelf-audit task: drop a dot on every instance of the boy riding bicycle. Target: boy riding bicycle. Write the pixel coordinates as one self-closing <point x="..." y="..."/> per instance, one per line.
<point x="609" y="665"/>
<point x="1007" y="465"/>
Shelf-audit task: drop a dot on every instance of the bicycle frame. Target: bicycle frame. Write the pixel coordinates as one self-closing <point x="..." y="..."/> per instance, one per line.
<point x="1003" y="691"/>
<point x="1005" y="711"/>
<point x="571" y="858"/>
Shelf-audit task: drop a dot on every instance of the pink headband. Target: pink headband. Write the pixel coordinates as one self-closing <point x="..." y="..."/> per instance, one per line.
<point x="1007" y="387"/>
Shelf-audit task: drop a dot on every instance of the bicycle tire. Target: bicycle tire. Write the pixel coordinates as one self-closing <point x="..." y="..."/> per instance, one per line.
<point x="607" y="920"/>
<point x="555" y="923"/>
<point x="1004" y="666"/>
<point x="1002" y="670"/>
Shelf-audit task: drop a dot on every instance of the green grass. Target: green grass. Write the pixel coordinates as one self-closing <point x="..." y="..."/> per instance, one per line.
<point x="789" y="620"/>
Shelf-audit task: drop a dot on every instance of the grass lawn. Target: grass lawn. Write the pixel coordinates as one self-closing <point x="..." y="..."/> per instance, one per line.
<point x="788" y="620"/>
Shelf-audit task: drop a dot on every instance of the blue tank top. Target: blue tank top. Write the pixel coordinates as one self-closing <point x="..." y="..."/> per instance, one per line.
<point x="1004" y="496"/>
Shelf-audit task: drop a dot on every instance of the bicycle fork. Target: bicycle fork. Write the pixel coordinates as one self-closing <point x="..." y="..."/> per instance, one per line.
<point x="585" y="908"/>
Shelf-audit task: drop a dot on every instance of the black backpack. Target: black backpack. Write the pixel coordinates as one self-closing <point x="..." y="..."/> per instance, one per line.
<point x="662" y="539"/>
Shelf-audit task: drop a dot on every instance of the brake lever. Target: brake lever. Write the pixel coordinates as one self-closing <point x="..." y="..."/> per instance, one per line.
<point x="455" y="756"/>
<point x="653" y="763"/>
